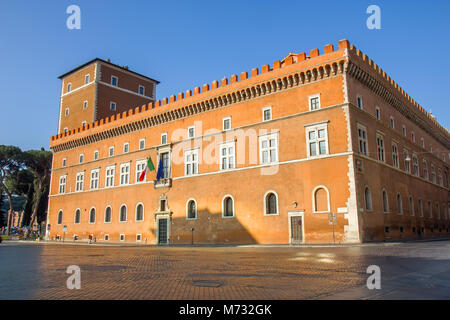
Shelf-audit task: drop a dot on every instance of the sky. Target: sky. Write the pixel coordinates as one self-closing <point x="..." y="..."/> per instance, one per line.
<point x="185" y="44"/>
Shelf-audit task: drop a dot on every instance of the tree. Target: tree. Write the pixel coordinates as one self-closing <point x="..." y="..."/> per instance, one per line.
<point x="10" y="163"/>
<point x="22" y="183"/>
<point x="39" y="162"/>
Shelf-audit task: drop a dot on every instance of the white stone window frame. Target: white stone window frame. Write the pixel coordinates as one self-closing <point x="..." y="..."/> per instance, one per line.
<point x="126" y="147"/>
<point x="62" y="183"/>
<point x="314" y="209"/>
<point x="365" y="140"/>
<point x="311" y="98"/>
<point x="139" y="237"/>
<point x="266" y="138"/>
<point x="112" y="106"/>
<point x="426" y="173"/>
<point x="124" y="178"/>
<point x="95" y="215"/>
<point x="66" y="112"/>
<point x="64" y="162"/>
<point x="395" y="156"/>
<point x="120" y="213"/>
<point x="381" y="149"/>
<point x="104" y="215"/>
<point x="189" y="130"/>
<point x="224" y="119"/>
<point x="96" y="155"/>
<point x="415" y="163"/>
<point x="87" y="78"/>
<point x="392" y="122"/>
<point x="187" y="209"/>
<point x="377" y="112"/>
<point x="192" y="163"/>
<point x="142" y="144"/>
<point x="164" y="137"/>
<point x="79" y="182"/>
<point x="316" y="127"/>
<point x="143" y="212"/>
<point x="268" y="108"/>
<point x="117" y="81"/>
<point x="69" y="87"/>
<point x="223" y="206"/>
<point x="111" y="151"/>
<point x="75" y="216"/>
<point x="110" y="172"/>
<point x="227" y="156"/>
<point x="358" y="100"/>
<point x="140" y="166"/>
<point x="85" y="104"/>
<point x="143" y="90"/>
<point x="265" y="204"/>
<point x="95" y="179"/>
<point x="81" y="158"/>
<point x="122" y="237"/>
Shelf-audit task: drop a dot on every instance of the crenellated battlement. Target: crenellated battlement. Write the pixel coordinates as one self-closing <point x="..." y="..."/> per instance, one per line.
<point x="317" y="66"/>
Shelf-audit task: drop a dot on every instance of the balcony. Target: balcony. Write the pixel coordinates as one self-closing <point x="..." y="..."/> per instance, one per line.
<point x="162" y="183"/>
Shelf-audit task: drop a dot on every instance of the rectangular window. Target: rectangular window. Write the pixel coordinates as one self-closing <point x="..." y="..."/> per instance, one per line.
<point x="79" y="182"/>
<point x="191" y="162"/>
<point x="404" y="131"/>
<point x="163" y="138"/>
<point x="141" y="90"/>
<point x="317" y="140"/>
<point x="86" y="79"/>
<point x="124" y="173"/>
<point x="112" y="106"/>
<point x="433" y="174"/>
<point x="126" y="147"/>
<point x="413" y="137"/>
<point x="166" y="164"/>
<point x="85" y="105"/>
<point x="380" y="148"/>
<point x="362" y="140"/>
<point x="191" y="132"/>
<point x="226" y="123"/>
<point x="64" y="162"/>
<point x="267" y="113"/>
<point x="111" y="151"/>
<point x="122" y="237"/>
<point x="314" y="102"/>
<point x="62" y="184"/>
<point x="95" y="173"/>
<point x="359" y="102"/>
<point x="415" y="162"/>
<point x="395" y="162"/>
<point x="268" y="148"/>
<point x="96" y="155"/>
<point x="407" y="161"/>
<point x="378" y="113"/>
<point x="114" y="81"/>
<point x="420" y="208"/>
<point x="109" y="181"/>
<point x="141" y="144"/>
<point x="392" y="123"/>
<point x="69" y="87"/>
<point x="83" y="123"/>
<point x="440" y="180"/>
<point x="140" y="166"/>
<point x="81" y="158"/>
<point x="227" y="155"/>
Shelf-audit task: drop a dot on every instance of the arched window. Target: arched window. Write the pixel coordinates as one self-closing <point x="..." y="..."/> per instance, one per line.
<point x="368" y="198"/>
<point x="228" y="207"/>
<point x="77" y="216"/>
<point x="271" y="203"/>
<point x="140" y="212"/>
<point x="321" y="199"/>
<point x="399" y="204"/>
<point x="191" y="209"/>
<point x="108" y="214"/>
<point x="92" y="216"/>
<point x="123" y="213"/>
<point x="60" y="217"/>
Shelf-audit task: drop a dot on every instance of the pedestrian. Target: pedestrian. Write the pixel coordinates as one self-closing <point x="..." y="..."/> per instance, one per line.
<point x="90" y="239"/>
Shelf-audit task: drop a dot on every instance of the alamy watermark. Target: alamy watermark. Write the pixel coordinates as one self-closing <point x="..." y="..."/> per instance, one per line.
<point x="74" y="280"/>
<point x="374" y="280"/>
<point x="374" y="20"/>
<point x="74" y="20"/>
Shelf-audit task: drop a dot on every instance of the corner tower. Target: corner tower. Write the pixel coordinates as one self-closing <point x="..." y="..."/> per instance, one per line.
<point x="99" y="89"/>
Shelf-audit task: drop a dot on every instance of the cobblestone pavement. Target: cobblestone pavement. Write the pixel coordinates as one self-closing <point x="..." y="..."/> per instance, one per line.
<point x="408" y="271"/>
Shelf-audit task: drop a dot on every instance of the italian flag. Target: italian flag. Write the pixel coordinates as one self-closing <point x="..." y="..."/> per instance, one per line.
<point x="148" y="168"/>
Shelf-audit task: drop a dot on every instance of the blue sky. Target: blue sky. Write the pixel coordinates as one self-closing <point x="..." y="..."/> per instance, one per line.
<point x="184" y="44"/>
